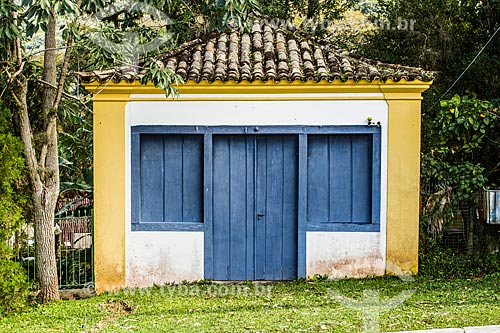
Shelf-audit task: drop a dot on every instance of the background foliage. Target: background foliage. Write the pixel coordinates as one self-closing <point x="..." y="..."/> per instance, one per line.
<point x="460" y="123"/>
<point x="13" y="284"/>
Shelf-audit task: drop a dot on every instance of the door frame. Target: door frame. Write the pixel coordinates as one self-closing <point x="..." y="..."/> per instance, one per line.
<point x="207" y="225"/>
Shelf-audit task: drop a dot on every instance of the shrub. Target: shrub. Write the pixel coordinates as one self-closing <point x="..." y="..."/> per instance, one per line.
<point x="13" y="287"/>
<point x="459" y="158"/>
<point x="13" y="281"/>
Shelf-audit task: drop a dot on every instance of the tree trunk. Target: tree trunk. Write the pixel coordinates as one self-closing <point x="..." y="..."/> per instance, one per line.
<point x="49" y="67"/>
<point x="44" y="196"/>
<point x="45" y="199"/>
<point x="45" y="257"/>
<point x="312" y="8"/>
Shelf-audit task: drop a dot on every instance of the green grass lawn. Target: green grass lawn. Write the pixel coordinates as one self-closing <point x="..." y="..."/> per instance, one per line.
<point x="304" y="306"/>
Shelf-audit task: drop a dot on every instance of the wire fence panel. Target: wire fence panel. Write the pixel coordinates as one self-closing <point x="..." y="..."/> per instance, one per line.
<point x="74" y="251"/>
<point x="73" y="247"/>
<point x="457" y="225"/>
<point x="445" y="218"/>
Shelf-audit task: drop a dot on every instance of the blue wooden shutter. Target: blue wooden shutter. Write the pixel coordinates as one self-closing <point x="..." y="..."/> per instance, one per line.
<point x="339" y="178"/>
<point x="171" y="178"/>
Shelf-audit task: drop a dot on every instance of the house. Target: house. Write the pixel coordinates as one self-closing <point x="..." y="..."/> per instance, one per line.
<point x="283" y="157"/>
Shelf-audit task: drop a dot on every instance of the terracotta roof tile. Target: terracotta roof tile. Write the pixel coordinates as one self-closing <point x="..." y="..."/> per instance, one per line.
<point x="266" y="53"/>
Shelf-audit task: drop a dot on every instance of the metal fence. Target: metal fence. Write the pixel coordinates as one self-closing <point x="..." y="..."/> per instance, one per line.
<point x="457" y="225"/>
<point x="74" y="249"/>
<point x="445" y="218"/>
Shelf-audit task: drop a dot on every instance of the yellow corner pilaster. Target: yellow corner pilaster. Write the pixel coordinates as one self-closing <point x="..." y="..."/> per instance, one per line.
<point x="403" y="182"/>
<point x="109" y="194"/>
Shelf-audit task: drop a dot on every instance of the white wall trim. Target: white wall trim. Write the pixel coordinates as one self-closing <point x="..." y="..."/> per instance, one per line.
<point x="304" y="96"/>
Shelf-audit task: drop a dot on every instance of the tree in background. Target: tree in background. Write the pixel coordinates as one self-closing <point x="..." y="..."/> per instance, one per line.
<point x="39" y="91"/>
<point x="466" y="145"/>
<point x="461" y="122"/>
<point x="308" y="9"/>
<point x="446" y="36"/>
<point x="11" y="171"/>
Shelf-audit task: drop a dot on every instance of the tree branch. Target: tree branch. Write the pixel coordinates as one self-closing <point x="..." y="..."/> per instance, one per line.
<point x="19" y="71"/>
<point x="64" y="73"/>
<point x="49" y="49"/>
<point x="11" y="77"/>
<point x="19" y="96"/>
<point x="63" y="92"/>
<point x="48" y="93"/>
<point x="17" y="44"/>
<point x="43" y="155"/>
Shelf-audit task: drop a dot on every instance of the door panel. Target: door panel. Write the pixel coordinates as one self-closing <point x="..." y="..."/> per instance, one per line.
<point x="276" y="244"/>
<point x="230" y="207"/>
<point x="255" y="207"/>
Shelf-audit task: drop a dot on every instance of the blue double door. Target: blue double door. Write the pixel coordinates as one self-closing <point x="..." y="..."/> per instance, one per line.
<point x="254" y="205"/>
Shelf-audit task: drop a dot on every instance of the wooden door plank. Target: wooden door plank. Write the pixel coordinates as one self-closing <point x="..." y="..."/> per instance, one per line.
<point x="340" y="185"/>
<point x="290" y="207"/>
<point x="192" y="178"/>
<point x="260" y="204"/>
<point x="152" y="170"/>
<point x="221" y="211"/>
<point x="173" y="178"/>
<point x="318" y="193"/>
<point x="274" y="207"/>
<point x="302" y="206"/>
<point x="361" y="178"/>
<point x="250" y="216"/>
<point x="237" y="207"/>
<point x="208" y="208"/>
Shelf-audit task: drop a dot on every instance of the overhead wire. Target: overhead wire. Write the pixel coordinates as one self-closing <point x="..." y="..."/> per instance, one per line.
<point x="492" y="37"/>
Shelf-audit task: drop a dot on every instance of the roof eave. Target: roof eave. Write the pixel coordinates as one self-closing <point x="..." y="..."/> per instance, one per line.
<point x="258" y="87"/>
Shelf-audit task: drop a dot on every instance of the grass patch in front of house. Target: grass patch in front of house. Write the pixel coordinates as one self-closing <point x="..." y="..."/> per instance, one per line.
<point x="303" y="306"/>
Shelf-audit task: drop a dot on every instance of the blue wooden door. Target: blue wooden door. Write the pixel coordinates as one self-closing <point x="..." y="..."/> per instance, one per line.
<point x="255" y="179"/>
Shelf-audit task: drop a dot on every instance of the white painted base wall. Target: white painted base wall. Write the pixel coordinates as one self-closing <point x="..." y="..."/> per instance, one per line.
<point x="344" y="254"/>
<point x="161" y="257"/>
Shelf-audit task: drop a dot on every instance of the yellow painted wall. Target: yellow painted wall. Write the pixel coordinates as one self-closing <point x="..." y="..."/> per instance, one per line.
<point x="109" y="195"/>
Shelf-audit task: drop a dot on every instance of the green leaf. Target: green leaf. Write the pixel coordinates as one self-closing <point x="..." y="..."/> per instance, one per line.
<point x="455" y="99"/>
